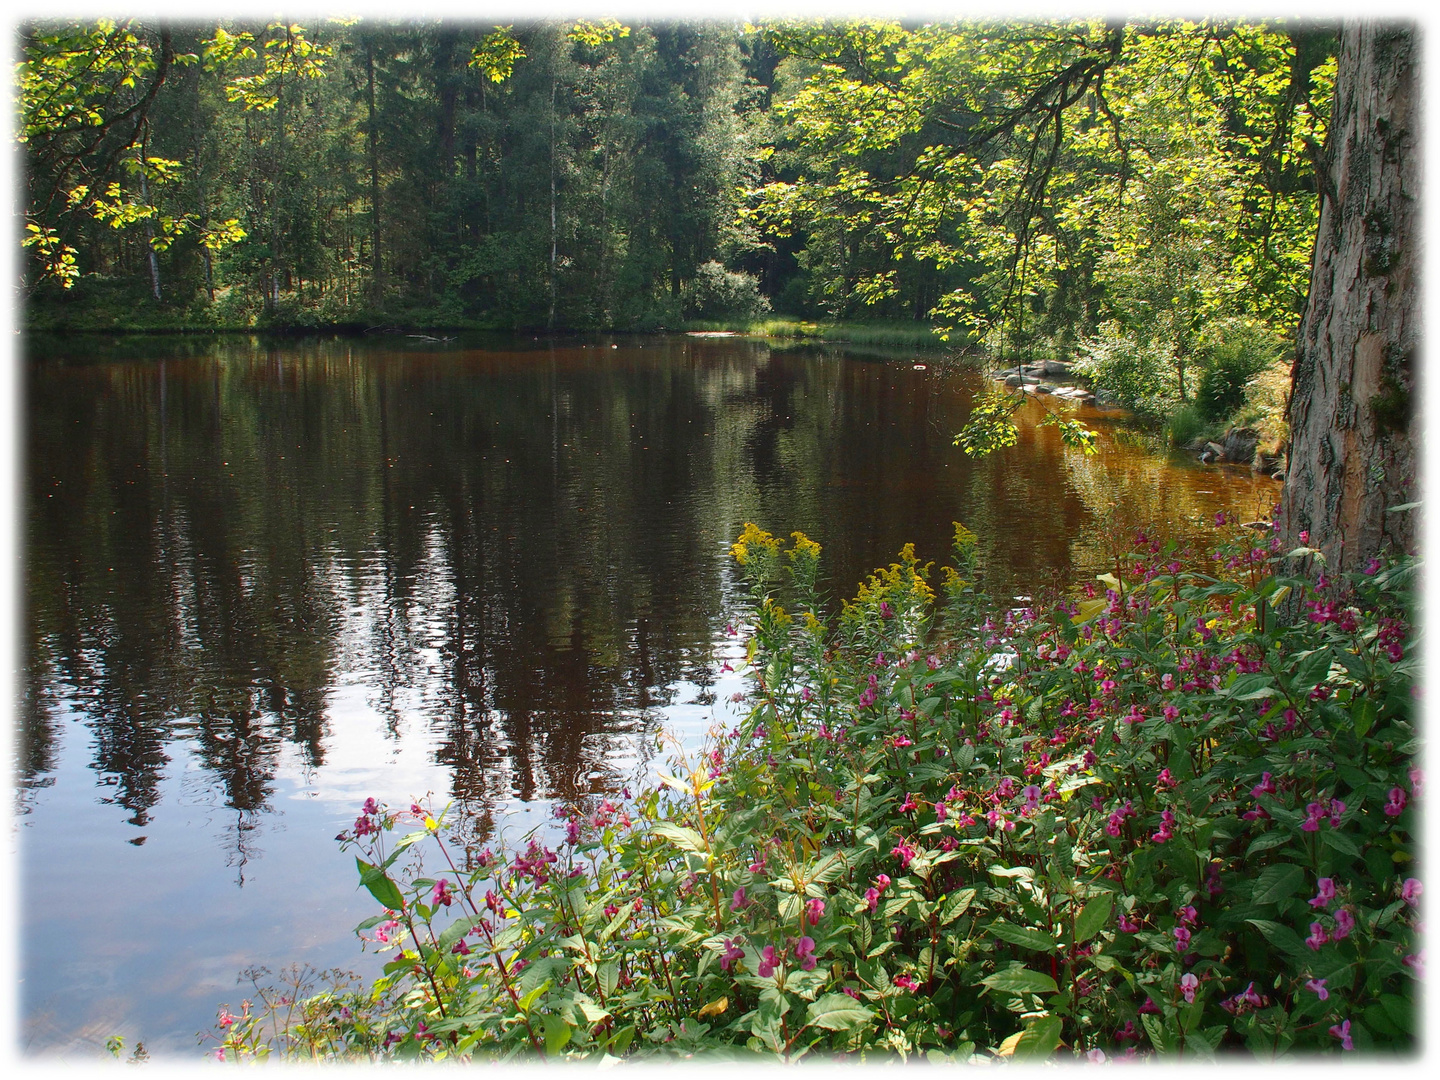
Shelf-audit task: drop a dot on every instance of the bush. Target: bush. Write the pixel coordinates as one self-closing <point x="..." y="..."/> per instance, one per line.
<point x="1141" y="374"/>
<point x="1232" y="352"/>
<point x="1185" y="425"/>
<point x="1173" y="817"/>
<point x="717" y="293"/>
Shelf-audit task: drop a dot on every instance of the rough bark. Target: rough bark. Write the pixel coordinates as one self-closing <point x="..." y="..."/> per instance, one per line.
<point x="1355" y="436"/>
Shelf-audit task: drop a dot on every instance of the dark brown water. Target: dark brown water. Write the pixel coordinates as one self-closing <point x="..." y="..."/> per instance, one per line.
<point x="264" y="582"/>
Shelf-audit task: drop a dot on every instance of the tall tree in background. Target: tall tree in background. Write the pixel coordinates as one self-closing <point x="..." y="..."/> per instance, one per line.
<point x="1354" y="426"/>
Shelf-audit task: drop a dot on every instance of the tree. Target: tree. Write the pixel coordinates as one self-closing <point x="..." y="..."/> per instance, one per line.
<point x="1354" y="433"/>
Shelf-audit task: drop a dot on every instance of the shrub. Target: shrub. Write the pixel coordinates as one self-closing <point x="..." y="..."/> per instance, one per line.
<point x="1173" y="814"/>
<point x="1232" y="351"/>
<point x="1141" y="374"/>
<point x="716" y="293"/>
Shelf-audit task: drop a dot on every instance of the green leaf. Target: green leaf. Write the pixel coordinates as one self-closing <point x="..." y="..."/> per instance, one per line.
<point x="1023" y="936"/>
<point x="1159" y="1037"/>
<point x="557" y="1034"/>
<point x="1020" y="981"/>
<point x="1265" y="841"/>
<point x="956" y="906"/>
<point x="1040" y="1038"/>
<point x="1250" y="687"/>
<point x="1093" y="917"/>
<point x="1277" y="883"/>
<point x="381" y="887"/>
<point x="1340" y="842"/>
<point x="1281" y="936"/>
<point x="837" y="1012"/>
<point x="682" y="837"/>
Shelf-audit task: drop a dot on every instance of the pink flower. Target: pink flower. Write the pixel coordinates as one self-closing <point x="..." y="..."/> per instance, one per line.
<point x="1342" y="1032"/>
<point x="1417" y="780"/>
<point x="441" y="894"/>
<point x="1182" y="939"/>
<point x="732" y="953"/>
<point x="225" y="1018"/>
<point x="1344" y="923"/>
<point x="1318" y="986"/>
<point x="1336" y="809"/>
<point x="1164" y="780"/>
<point x="872" y="898"/>
<point x="905" y="852"/>
<point x="1188" y="984"/>
<point x="805" y="953"/>
<point x="1126" y="924"/>
<point x="768" y="961"/>
<point x="1095" y="1056"/>
<point x="1416" y="963"/>
<point x="1313" y="813"/>
<point x="739" y="902"/>
<point x="1326" y="893"/>
<point x="1187" y="915"/>
<point x="1410" y="891"/>
<point x="813" y="910"/>
<point x="905" y="982"/>
<point x="1317" y="937"/>
<point x="1397" y="802"/>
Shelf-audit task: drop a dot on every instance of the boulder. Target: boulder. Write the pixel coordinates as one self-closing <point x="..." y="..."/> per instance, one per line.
<point x="1056" y="367"/>
<point x="1044" y="388"/>
<point x="1020" y="380"/>
<point x="1240" y="444"/>
<point x="1215" y="450"/>
<point x="1035" y="370"/>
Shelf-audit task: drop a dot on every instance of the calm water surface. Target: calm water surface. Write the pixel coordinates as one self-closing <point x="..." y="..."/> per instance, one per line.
<point x="265" y="581"/>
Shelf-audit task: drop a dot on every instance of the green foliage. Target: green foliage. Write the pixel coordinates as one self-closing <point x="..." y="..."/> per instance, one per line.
<point x="1141" y="374"/>
<point x="1233" y="351"/>
<point x="1167" y="820"/>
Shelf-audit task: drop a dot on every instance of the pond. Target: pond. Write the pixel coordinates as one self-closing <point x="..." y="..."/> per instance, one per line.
<point x="265" y="580"/>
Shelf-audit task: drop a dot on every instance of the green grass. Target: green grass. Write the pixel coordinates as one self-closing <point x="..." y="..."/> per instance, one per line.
<point x="918" y="334"/>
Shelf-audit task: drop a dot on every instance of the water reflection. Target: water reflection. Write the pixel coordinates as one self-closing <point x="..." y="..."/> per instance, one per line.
<point x="248" y="561"/>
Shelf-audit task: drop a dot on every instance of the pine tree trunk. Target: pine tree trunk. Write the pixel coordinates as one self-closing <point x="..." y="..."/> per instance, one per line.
<point x="1354" y="430"/>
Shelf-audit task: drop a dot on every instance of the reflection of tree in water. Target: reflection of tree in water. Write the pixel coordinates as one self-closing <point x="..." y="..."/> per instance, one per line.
<point x="518" y="552"/>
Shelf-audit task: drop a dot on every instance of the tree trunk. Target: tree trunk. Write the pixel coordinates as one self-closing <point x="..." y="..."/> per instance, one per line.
<point x="1353" y="423"/>
<point x="377" y="274"/>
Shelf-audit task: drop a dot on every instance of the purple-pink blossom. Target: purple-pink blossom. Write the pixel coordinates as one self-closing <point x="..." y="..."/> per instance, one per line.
<point x="1396" y="806"/>
<point x="805" y="953"/>
<point x="814" y="909"/>
<point x="1317" y="937"/>
<point x="768" y="961"/>
<point x="1325" y="894"/>
<point x="1182" y="939"/>
<point x="1188" y="985"/>
<point x="1318" y="987"/>
<point x="1342" y="1032"/>
<point x="732" y="953"/>
<point x="905" y="982"/>
<point x="905" y="852"/>
<point x="1344" y="923"/>
<point x="739" y="901"/>
<point x="1410" y="891"/>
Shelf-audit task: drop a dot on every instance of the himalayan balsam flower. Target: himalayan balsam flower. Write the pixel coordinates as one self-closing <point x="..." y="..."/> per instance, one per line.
<point x="1342" y="1032"/>
<point x="1325" y="894"/>
<point x="805" y="953"/>
<point x="1126" y="924"/>
<point x="1188" y="984"/>
<point x="1416" y="963"/>
<point x="905" y="982"/>
<point x="1410" y="891"/>
<point x="1317" y="937"/>
<point x="1313" y="813"/>
<point x="768" y="961"/>
<point x="441" y="894"/>
<point x="905" y="852"/>
<point x="1397" y="802"/>
<point x="732" y="953"/>
<point x="1182" y="940"/>
<point x="1344" y="923"/>
<point x="1265" y="787"/>
<point x="813" y="910"/>
<point x="1318" y="986"/>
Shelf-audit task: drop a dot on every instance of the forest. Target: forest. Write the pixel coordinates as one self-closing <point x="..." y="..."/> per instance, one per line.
<point x="1037" y="183"/>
